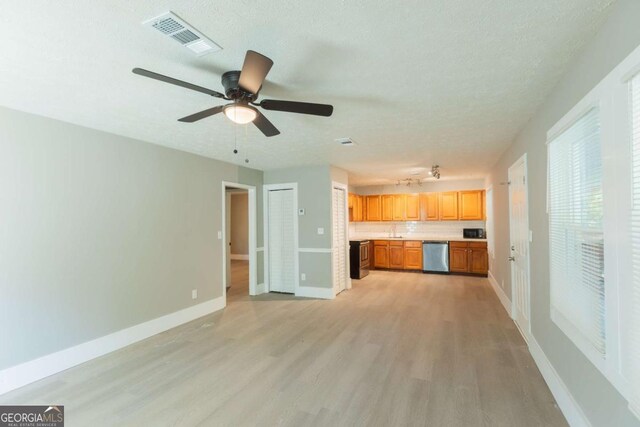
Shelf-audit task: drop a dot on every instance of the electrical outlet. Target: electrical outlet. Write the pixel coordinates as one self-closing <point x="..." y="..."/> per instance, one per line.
<point x="303" y="277"/>
<point x="320" y="230"/>
<point x="194" y="294"/>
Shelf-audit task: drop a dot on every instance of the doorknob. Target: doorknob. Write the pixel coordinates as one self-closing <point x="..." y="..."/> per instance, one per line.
<point x="511" y="258"/>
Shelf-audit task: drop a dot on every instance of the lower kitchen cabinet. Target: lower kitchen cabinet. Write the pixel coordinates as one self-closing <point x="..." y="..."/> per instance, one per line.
<point x="413" y="258"/>
<point x="458" y="257"/>
<point x="396" y="254"/>
<point x="381" y="254"/>
<point x="469" y="258"/>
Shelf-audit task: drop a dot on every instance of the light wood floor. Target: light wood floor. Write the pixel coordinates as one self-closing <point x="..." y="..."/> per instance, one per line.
<point x="399" y="349"/>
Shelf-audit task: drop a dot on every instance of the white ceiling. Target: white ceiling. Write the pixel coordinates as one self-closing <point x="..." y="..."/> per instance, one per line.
<point x="412" y="82"/>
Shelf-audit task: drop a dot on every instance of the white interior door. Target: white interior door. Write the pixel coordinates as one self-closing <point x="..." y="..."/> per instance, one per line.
<point x="281" y="241"/>
<point x="519" y="237"/>
<point x="339" y="240"/>
<point x="227" y="243"/>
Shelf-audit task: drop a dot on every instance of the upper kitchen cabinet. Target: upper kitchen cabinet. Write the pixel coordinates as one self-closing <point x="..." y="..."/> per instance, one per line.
<point x="471" y="205"/>
<point x="358" y="209"/>
<point x="399" y="201"/>
<point x="412" y="207"/>
<point x="387" y="207"/>
<point x="373" y="208"/>
<point x="448" y="206"/>
<point x="429" y="207"/>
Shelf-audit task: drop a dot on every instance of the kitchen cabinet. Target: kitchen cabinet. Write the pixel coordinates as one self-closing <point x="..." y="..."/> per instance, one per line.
<point x="469" y="258"/>
<point x="448" y="206"/>
<point x="399" y="201"/>
<point x="429" y="207"/>
<point x="387" y="207"/>
<point x="358" y="211"/>
<point x="396" y="254"/>
<point x="412" y="207"/>
<point x="381" y="253"/>
<point x="471" y="205"/>
<point x="372" y="259"/>
<point x="413" y="255"/>
<point x="374" y="208"/>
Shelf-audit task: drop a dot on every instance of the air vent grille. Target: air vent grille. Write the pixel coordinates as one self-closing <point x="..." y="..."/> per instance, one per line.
<point x="172" y="26"/>
<point x="185" y="37"/>
<point x="345" y="141"/>
<point x="168" y="26"/>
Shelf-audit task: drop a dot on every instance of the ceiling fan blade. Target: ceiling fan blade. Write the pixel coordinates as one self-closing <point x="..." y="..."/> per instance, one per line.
<point x="202" y="114"/>
<point x="166" y="79"/>
<point x="297" y="107"/>
<point x="254" y="70"/>
<point x="265" y="126"/>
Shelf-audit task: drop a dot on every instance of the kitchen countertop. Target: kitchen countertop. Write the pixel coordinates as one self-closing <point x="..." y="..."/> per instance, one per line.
<point x="420" y="238"/>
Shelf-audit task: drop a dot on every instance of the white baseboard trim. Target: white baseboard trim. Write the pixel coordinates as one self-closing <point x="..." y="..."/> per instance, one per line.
<point x="34" y="370"/>
<point x="504" y="299"/>
<point x="260" y="288"/>
<point x="315" y="292"/>
<point x="567" y="404"/>
<point x="239" y="256"/>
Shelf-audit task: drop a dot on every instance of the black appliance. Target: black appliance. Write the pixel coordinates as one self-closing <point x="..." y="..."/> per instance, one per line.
<point x="474" y="233"/>
<point x="359" y="258"/>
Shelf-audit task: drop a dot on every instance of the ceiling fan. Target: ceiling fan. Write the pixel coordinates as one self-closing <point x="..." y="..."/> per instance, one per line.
<point x="243" y="87"/>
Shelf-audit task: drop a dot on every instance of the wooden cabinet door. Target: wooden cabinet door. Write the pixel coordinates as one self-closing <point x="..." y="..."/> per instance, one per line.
<point x="412" y="207"/>
<point x="381" y="256"/>
<point x="479" y="261"/>
<point x="459" y="259"/>
<point x="412" y="259"/>
<point x="429" y="207"/>
<point x="396" y="257"/>
<point x="387" y="207"/>
<point x="399" y="201"/>
<point x="448" y="206"/>
<point x="357" y="208"/>
<point x="372" y="260"/>
<point x="373" y="208"/>
<point x="471" y="205"/>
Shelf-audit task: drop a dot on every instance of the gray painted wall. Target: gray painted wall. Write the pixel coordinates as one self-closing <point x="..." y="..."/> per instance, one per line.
<point x="314" y="195"/>
<point x="239" y="223"/>
<point x="101" y="232"/>
<point x="426" y="187"/>
<point x="618" y="37"/>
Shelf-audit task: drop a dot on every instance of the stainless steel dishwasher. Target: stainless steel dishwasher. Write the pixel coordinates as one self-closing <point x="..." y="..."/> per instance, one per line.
<point x="435" y="256"/>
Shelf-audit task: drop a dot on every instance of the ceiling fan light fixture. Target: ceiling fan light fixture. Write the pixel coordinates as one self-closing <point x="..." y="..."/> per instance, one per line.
<point x="240" y="114"/>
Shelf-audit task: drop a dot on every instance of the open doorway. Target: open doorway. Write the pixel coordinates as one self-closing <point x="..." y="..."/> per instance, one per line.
<point x="239" y="275"/>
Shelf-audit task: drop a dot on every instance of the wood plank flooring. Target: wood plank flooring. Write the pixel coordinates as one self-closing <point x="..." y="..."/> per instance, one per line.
<point x="399" y="349"/>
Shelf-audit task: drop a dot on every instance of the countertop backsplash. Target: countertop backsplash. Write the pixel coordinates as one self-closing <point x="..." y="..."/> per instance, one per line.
<point x="417" y="229"/>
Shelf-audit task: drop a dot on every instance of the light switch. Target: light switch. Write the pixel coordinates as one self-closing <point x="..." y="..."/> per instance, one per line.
<point x="320" y="230"/>
<point x="303" y="277"/>
<point x="219" y="235"/>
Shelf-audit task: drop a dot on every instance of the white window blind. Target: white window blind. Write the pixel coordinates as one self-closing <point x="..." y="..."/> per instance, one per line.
<point x="631" y="357"/>
<point x="576" y="234"/>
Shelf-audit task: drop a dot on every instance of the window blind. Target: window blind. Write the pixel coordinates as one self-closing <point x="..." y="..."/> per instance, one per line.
<point x="631" y="357"/>
<point x="576" y="233"/>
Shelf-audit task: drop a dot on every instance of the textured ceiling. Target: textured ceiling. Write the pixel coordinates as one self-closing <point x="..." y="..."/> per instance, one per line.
<point x="412" y="82"/>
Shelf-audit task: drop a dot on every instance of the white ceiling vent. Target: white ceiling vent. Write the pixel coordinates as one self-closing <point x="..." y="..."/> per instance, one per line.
<point x="172" y="26"/>
<point x="346" y="141"/>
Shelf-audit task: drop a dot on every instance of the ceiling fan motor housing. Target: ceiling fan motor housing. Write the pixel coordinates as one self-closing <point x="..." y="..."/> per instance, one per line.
<point x="230" y="82"/>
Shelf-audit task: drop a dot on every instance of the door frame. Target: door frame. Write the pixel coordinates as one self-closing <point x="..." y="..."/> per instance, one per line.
<point x="265" y="217"/>
<point x="526" y="333"/>
<point x="253" y="234"/>
<point x="343" y="187"/>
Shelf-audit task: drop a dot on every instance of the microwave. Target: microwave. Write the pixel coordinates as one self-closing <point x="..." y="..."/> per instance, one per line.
<point x="473" y="233"/>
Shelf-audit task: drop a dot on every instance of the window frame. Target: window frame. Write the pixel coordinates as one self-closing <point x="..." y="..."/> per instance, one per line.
<point x="612" y="96"/>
